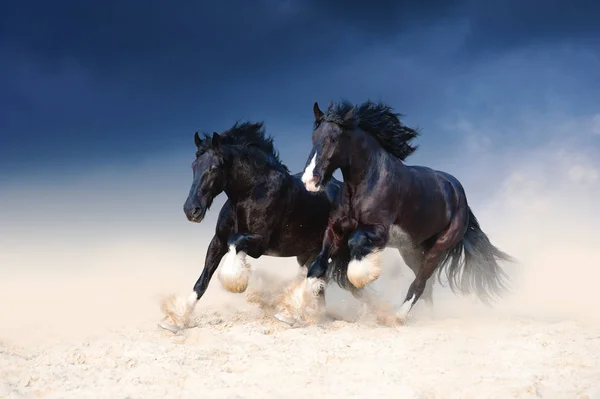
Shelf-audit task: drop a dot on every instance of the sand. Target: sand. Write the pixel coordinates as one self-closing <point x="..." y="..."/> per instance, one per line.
<point x="95" y="336"/>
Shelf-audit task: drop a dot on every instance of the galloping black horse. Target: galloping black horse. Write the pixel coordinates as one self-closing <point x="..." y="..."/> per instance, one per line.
<point x="421" y="211"/>
<point x="268" y="212"/>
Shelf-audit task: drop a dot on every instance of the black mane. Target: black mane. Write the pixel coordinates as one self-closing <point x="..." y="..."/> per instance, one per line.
<point x="250" y="135"/>
<point x="380" y="121"/>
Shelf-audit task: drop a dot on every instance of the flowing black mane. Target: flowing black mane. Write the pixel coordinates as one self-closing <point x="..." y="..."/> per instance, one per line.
<point x="250" y="135"/>
<point x="379" y="120"/>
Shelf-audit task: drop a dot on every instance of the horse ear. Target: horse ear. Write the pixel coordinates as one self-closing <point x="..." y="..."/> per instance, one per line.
<point x="318" y="113"/>
<point x="197" y="140"/>
<point x="216" y="141"/>
<point x="350" y="114"/>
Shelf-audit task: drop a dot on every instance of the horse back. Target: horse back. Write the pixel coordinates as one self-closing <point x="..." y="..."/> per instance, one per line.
<point x="433" y="196"/>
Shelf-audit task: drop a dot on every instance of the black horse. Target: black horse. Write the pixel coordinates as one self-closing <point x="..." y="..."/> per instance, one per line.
<point x="268" y="212"/>
<point x="421" y="211"/>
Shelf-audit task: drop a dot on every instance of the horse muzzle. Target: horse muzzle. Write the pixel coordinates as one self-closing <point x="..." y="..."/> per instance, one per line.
<point x="194" y="213"/>
<point x="311" y="183"/>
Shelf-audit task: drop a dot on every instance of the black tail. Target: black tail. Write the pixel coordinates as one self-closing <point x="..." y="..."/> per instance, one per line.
<point x="478" y="270"/>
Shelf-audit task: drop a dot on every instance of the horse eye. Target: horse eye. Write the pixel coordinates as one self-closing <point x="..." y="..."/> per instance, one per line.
<point x="212" y="167"/>
<point x="333" y="139"/>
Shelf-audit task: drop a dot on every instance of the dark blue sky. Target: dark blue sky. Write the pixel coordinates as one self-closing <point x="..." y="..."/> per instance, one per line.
<point x="90" y="83"/>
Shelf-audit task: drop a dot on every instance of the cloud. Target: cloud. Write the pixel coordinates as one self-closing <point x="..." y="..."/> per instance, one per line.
<point x="497" y="27"/>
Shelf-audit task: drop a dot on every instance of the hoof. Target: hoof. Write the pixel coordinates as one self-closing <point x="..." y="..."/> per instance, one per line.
<point x="177" y="312"/>
<point x="169" y="327"/>
<point x="302" y="302"/>
<point x="289" y="320"/>
<point x="404" y="312"/>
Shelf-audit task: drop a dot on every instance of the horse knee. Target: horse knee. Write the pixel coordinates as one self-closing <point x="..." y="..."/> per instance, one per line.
<point x="359" y="244"/>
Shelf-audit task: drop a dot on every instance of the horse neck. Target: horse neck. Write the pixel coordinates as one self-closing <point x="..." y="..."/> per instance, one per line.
<point x="367" y="157"/>
<point x="243" y="176"/>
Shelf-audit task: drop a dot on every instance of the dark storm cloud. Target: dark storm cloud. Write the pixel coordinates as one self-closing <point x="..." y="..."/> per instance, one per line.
<point x="514" y="23"/>
<point x="150" y="40"/>
<point x="108" y="78"/>
<point x="88" y="77"/>
<point x="190" y="39"/>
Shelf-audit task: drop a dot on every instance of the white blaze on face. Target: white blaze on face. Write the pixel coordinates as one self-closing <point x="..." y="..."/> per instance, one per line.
<point x="235" y="271"/>
<point x="364" y="271"/>
<point x="308" y="177"/>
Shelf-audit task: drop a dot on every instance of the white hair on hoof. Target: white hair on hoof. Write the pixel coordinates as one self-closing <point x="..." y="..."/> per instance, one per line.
<point x="301" y="302"/>
<point x="405" y="309"/>
<point x="366" y="270"/>
<point x="177" y="312"/>
<point x="235" y="272"/>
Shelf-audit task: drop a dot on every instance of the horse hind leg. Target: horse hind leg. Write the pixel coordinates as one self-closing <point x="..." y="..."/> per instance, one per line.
<point x="414" y="259"/>
<point x="432" y="258"/>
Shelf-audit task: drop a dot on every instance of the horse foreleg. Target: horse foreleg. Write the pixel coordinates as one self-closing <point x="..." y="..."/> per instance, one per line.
<point x="177" y="311"/>
<point x="235" y="272"/>
<point x="304" y="299"/>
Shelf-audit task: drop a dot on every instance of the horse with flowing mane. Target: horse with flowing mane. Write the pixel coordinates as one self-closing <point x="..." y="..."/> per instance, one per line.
<point x="422" y="212"/>
<point x="268" y="212"/>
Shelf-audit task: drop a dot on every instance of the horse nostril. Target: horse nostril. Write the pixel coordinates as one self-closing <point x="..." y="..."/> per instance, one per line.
<point x="197" y="211"/>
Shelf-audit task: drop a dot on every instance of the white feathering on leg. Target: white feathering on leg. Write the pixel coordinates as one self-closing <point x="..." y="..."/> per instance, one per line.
<point x="300" y="301"/>
<point x="405" y="309"/>
<point x="366" y="270"/>
<point x="177" y="311"/>
<point x="235" y="271"/>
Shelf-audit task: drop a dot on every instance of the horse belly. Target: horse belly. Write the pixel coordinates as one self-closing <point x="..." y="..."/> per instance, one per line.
<point x="297" y="238"/>
<point x="399" y="238"/>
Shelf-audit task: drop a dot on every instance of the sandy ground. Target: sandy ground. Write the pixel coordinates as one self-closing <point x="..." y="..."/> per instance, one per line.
<point x="95" y="336"/>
